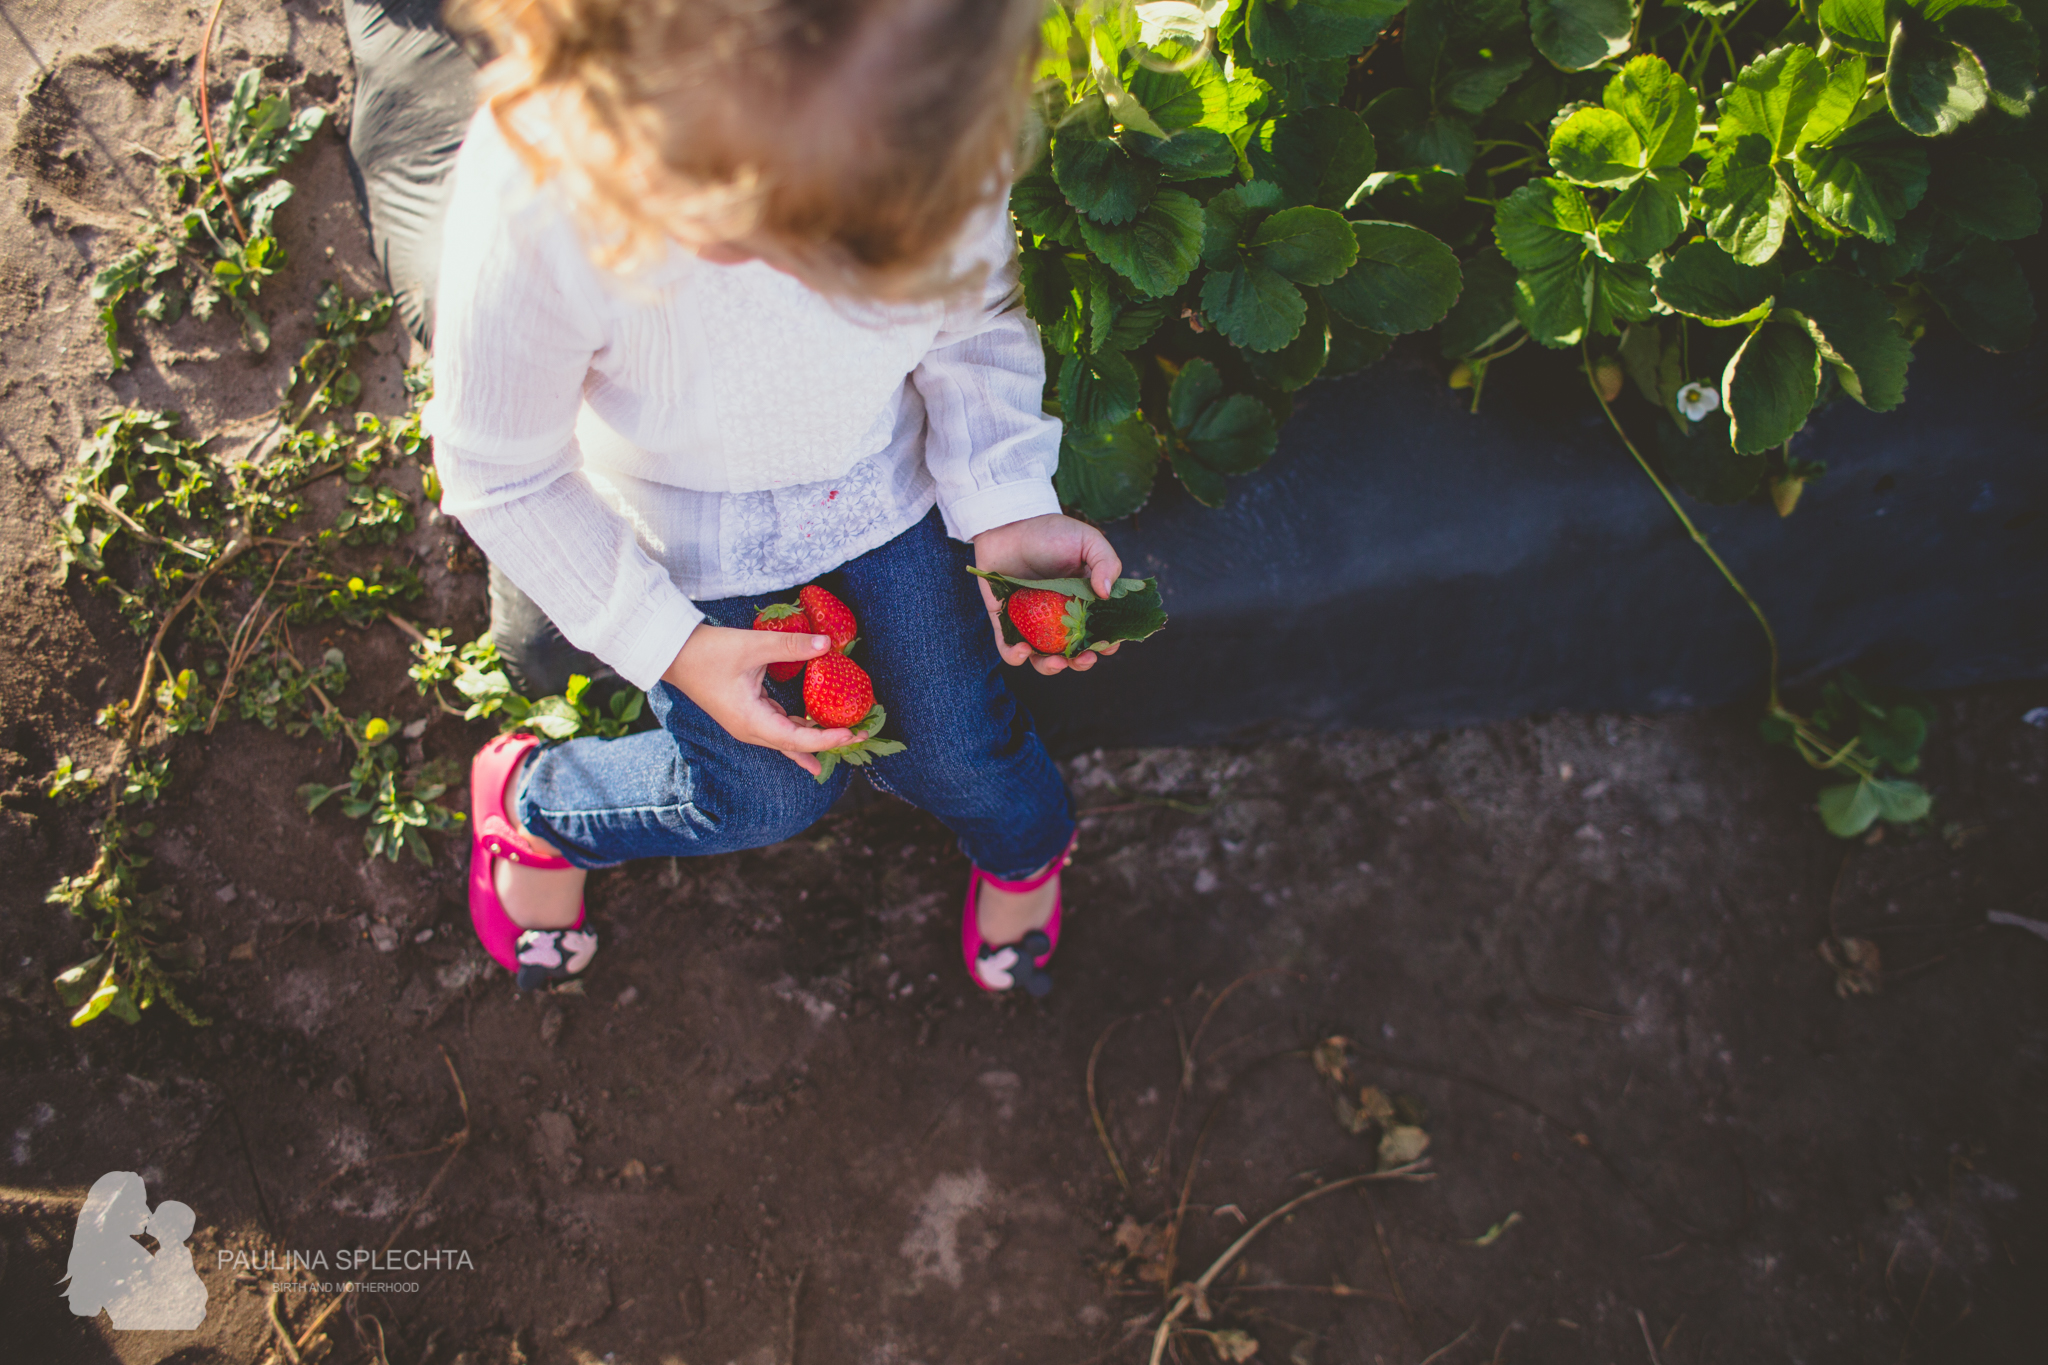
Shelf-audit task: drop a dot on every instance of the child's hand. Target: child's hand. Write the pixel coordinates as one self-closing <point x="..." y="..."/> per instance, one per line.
<point x="721" y="670"/>
<point x="1050" y="546"/>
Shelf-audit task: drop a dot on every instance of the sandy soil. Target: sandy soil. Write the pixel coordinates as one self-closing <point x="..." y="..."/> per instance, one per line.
<point x="1579" y="952"/>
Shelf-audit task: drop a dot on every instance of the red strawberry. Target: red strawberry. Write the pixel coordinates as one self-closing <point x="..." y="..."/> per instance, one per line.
<point x="782" y="617"/>
<point x="1050" y="622"/>
<point x="831" y="616"/>
<point x="837" y="691"/>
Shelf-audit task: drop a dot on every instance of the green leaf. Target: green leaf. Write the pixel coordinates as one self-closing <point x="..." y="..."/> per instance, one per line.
<point x="1743" y="203"/>
<point x="1618" y="293"/>
<point x="1307" y="245"/>
<point x="1255" y="307"/>
<point x="1184" y="89"/>
<point x="1317" y="156"/>
<point x="1576" y="34"/>
<point x="1771" y="98"/>
<point x="1156" y="253"/>
<point x="1856" y="25"/>
<point x="1301" y="359"/>
<point x="2006" y="45"/>
<point x="1660" y="107"/>
<point x="1097" y="390"/>
<point x="1466" y="53"/>
<point x="1596" y="147"/>
<point x="1297" y="30"/>
<point x="1901" y="802"/>
<point x="1770" y="385"/>
<point x="1866" y="180"/>
<point x="1896" y="737"/>
<point x="1105" y="475"/>
<point x="1986" y="296"/>
<point x="1101" y="180"/>
<point x="1409" y="132"/>
<point x="1204" y="484"/>
<point x="74" y="984"/>
<point x="1846" y="99"/>
<point x="1198" y="384"/>
<point x="1852" y="323"/>
<point x="1041" y="208"/>
<point x="1543" y="230"/>
<point x="1352" y="347"/>
<point x="1234" y="435"/>
<point x="1485" y="311"/>
<point x="1125" y="108"/>
<point x="96" y="1004"/>
<point x="1190" y="154"/>
<point x="1702" y="281"/>
<point x="1933" y="85"/>
<point x="1849" y="809"/>
<point x="1230" y="217"/>
<point x="1987" y="195"/>
<point x="1404" y="280"/>
<point x="1136" y="324"/>
<point x="1698" y="458"/>
<point x="1643" y="219"/>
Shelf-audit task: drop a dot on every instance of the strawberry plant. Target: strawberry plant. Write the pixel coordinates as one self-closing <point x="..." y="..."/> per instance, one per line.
<point x="1747" y="209"/>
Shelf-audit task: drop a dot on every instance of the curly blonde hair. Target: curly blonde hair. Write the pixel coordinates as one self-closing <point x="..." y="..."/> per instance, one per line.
<point x="845" y="141"/>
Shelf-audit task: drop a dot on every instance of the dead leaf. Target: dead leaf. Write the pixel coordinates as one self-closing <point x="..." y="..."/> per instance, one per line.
<point x="1374" y="1102"/>
<point x="1130" y="1235"/>
<point x="1350" y="1117"/>
<point x="1492" y="1234"/>
<point x="1859" y="970"/>
<point x="1233" y="1345"/>
<point x="243" y="952"/>
<point x="635" y="1170"/>
<point x="1304" y="1352"/>
<point x="1401" y="1144"/>
<point x="1329" y="1059"/>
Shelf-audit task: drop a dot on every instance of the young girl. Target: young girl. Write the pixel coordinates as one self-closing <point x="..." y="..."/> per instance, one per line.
<point x="727" y="305"/>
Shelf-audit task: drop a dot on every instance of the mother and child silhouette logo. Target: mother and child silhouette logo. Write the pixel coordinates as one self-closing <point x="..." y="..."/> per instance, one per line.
<point x="109" y="1269"/>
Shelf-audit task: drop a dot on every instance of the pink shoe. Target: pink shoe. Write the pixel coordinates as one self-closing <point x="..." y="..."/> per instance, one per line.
<point x="535" y="956"/>
<point x="999" y="968"/>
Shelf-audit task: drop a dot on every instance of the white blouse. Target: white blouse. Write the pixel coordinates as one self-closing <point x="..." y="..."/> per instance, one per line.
<point x="619" y="446"/>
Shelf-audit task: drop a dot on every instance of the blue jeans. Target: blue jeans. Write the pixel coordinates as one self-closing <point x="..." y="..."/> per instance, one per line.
<point x="689" y="788"/>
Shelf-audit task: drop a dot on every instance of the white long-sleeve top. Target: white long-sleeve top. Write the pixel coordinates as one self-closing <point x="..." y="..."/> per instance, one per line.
<point x="620" y="446"/>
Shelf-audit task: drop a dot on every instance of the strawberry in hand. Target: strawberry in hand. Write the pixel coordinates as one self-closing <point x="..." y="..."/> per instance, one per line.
<point x="780" y="616"/>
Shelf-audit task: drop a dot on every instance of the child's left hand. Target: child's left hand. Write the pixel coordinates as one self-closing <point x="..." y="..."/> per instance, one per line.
<point x="1050" y="546"/>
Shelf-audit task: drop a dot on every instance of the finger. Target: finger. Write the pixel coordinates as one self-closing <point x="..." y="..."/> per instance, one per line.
<point x="805" y="741"/>
<point x="1083" y="661"/>
<point x="1104" y="566"/>
<point x="1048" y="664"/>
<point x="1109" y="649"/>
<point x="774" y="647"/>
<point x="805" y="761"/>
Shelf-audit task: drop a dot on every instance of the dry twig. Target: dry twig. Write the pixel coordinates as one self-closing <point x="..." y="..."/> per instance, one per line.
<point x="1188" y="1294"/>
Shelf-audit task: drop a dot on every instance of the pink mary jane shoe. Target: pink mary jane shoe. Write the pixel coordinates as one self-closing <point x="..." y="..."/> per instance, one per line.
<point x="535" y="957"/>
<point x="998" y="968"/>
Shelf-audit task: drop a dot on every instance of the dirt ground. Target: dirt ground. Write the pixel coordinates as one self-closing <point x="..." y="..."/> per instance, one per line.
<point x="779" y="1126"/>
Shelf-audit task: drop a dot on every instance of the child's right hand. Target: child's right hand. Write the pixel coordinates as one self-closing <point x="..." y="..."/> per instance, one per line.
<point x="721" y="670"/>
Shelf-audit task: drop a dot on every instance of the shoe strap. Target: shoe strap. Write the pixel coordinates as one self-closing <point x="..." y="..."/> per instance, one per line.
<point x="500" y="842"/>
<point x="1052" y="869"/>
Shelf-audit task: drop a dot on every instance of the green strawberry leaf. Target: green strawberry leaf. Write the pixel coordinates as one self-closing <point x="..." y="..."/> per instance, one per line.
<point x="1743" y="204"/>
<point x="1770" y="385"/>
<point x="1866" y="180"/>
<point x="1704" y="282"/>
<point x="1410" y="133"/>
<point x="1306" y="245"/>
<point x="1097" y="390"/>
<point x="1856" y="25"/>
<point x="1771" y="98"/>
<point x="2006" y="46"/>
<point x="1987" y="195"/>
<point x="1316" y="156"/>
<point x="1106" y="475"/>
<point x="1184" y="88"/>
<point x="1042" y="209"/>
<point x="1577" y="34"/>
<point x="1102" y="180"/>
<point x="1643" y="219"/>
<point x="1404" y="280"/>
<point x="1466" y="53"/>
<point x="1597" y="147"/>
<point x="1230" y="217"/>
<point x="1852" y="323"/>
<point x="1934" y="86"/>
<point x="1485" y="311"/>
<point x="1156" y="252"/>
<point x="1298" y="30"/>
<point x="1190" y="154"/>
<point x="1660" y="107"/>
<point x="1301" y="359"/>
<point x="1255" y="307"/>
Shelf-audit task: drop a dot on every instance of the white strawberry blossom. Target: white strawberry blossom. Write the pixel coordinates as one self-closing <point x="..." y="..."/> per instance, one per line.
<point x="1696" y="400"/>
